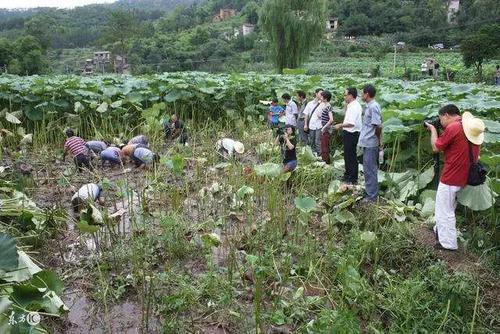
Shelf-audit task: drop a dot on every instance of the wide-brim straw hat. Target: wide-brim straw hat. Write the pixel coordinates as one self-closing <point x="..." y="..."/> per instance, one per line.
<point x="473" y="128"/>
<point x="239" y="147"/>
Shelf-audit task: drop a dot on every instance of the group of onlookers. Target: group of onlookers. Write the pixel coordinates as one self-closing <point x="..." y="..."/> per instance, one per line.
<point x="314" y="120"/>
<point x="460" y="141"/>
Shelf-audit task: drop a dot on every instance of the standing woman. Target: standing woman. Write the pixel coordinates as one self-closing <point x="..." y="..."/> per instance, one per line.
<point x="326" y="123"/>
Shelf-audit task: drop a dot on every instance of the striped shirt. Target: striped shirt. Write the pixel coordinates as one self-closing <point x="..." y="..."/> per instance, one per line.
<point x="325" y="114"/>
<point x="76" y="146"/>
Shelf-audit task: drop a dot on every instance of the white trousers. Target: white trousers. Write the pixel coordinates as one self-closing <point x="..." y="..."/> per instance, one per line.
<point x="446" y="202"/>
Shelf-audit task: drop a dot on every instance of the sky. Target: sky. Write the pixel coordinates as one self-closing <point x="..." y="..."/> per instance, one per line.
<point x="48" y="3"/>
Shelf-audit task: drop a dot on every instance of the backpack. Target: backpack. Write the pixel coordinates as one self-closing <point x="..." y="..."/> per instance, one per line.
<point x="477" y="172"/>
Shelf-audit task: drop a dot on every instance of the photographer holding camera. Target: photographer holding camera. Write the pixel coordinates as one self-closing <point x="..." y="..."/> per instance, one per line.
<point x="288" y="143"/>
<point x="460" y="143"/>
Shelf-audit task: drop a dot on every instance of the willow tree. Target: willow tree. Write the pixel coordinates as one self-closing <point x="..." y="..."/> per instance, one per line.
<point x="294" y="28"/>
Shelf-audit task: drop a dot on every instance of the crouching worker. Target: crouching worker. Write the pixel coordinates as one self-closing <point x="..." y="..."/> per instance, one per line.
<point x="178" y="130"/>
<point x="227" y="146"/>
<point x="77" y="147"/>
<point x="90" y="192"/>
<point x="288" y="144"/>
<point x="139" y="140"/>
<point x="144" y="157"/>
<point x="96" y="146"/>
<point x="113" y="155"/>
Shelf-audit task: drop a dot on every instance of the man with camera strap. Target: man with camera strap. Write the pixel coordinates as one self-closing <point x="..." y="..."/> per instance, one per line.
<point x="460" y="143"/>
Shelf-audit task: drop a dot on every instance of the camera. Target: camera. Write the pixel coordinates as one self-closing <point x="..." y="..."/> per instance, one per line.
<point x="434" y="121"/>
<point x="280" y="131"/>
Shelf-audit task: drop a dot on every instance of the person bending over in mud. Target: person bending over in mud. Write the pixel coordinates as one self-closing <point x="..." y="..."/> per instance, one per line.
<point x="226" y="147"/>
<point x="89" y="192"/>
<point x="139" y="140"/>
<point x="288" y="144"/>
<point x="144" y="157"/>
<point x="76" y="146"/>
<point x="97" y="146"/>
<point x="113" y="155"/>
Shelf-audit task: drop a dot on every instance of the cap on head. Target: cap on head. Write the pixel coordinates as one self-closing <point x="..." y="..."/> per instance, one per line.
<point x="239" y="147"/>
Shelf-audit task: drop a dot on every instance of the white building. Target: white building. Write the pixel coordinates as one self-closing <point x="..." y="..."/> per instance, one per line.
<point x="247" y="29"/>
<point x="453" y="8"/>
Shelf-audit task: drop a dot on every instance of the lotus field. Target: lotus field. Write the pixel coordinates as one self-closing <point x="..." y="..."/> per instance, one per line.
<point x="200" y="245"/>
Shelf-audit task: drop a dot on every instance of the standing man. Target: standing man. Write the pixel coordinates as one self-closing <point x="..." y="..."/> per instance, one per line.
<point x="291" y="110"/>
<point x="351" y="126"/>
<point x="497" y="76"/>
<point x="460" y="143"/>
<point x="313" y="122"/>
<point x="370" y="139"/>
<point x="326" y="123"/>
<point x="301" y="96"/>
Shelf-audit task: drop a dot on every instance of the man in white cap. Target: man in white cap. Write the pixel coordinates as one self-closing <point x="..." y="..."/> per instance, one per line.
<point x="227" y="146"/>
<point x="461" y="137"/>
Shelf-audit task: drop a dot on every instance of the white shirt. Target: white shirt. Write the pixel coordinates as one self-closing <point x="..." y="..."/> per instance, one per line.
<point x="353" y="116"/>
<point x="315" y="117"/>
<point x="226" y="144"/>
<point x="290" y="112"/>
<point x="87" y="191"/>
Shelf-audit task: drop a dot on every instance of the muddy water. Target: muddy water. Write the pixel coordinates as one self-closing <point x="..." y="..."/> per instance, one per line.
<point x="84" y="318"/>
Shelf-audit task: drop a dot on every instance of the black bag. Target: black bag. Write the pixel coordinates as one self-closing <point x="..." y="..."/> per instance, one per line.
<point x="477" y="172"/>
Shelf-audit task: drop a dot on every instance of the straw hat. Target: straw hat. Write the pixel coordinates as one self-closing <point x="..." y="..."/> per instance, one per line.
<point x="473" y="128"/>
<point x="239" y="147"/>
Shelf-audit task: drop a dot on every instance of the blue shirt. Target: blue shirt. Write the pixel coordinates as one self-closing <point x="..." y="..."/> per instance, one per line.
<point x="275" y="113"/>
<point x="143" y="154"/>
<point x="111" y="153"/>
<point x="371" y="119"/>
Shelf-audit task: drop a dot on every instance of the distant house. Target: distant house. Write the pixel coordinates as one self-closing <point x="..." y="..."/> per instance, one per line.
<point x="453" y="9"/>
<point x="247" y="29"/>
<point x="102" y="56"/>
<point x="224" y="14"/>
<point x="88" y="68"/>
<point x="332" y="24"/>
<point x="121" y="65"/>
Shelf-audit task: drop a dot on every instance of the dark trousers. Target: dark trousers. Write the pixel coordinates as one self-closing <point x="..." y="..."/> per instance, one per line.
<point x="82" y="160"/>
<point x="325" y="146"/>
<point x="350" y="140"/>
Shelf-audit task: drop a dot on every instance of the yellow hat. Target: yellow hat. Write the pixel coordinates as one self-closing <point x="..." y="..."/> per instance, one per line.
<point x="239" y="147"/>
<point x="473" y="128"/>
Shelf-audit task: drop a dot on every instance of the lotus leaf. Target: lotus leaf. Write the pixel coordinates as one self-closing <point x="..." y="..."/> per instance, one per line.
<point x="477" y="198"/>
<point x="8" y="253"/>
<point x="305" y="204"/>
<point x="271" y="170"/>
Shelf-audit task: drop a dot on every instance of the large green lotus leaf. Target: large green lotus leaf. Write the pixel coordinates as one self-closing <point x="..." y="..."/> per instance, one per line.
<point x="134" y="97"/>
<point x="426" y="194"/>
<point x="491" y="138"/>
<point x="306" y="155"/>
<point x="344" y="216"/>
<point x="177" y="94"/>
<point x="50" y="284"/>
<point x="269" y="169"/>
<point x="25" y="269"/>
<point x="8" y="253"/>
<point x="476" y="198"/>
<point x="492" y="160"/>
<point x="368" y="237"/>
<point x="244" y="191"/>
<point x="408" y="190"/>
<point x="11" y="118"/>
<point x="33" y="114"/>
<point x="425" y="178"/>
<point x="492" y="126"/>
<point x="78" y="107"/>
<point x="103" y="107"/>
<point x="459" y="89"/>
<point x="305" y="203"/>
<point x="395" y="125"/>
